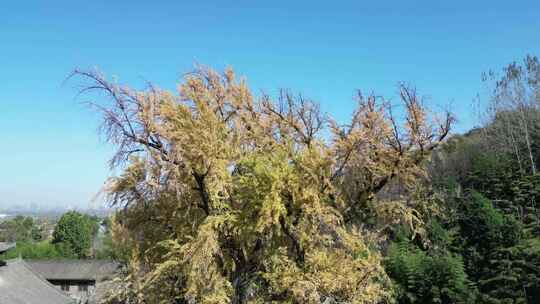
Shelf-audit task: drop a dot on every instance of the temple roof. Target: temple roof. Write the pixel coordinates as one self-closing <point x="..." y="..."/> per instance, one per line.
<point x="19" y="284"/>
<point x="76" y="270"/>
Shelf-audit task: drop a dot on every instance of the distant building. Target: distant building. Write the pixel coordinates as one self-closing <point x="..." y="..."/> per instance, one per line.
<point x="78" y="278"/>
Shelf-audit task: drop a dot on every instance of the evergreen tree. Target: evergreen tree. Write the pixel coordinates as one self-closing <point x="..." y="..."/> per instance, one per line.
<point x="435" y="275"/>
<point x="493" y="249"/>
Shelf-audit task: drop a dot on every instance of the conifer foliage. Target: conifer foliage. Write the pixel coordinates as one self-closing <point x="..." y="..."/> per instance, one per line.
<point x="434" y="276"/>
<point x="232" y="198"/>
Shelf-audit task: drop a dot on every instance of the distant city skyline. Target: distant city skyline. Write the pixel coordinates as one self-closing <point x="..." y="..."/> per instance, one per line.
<point x="48" y="207"/>
<point x="52" y="154"/>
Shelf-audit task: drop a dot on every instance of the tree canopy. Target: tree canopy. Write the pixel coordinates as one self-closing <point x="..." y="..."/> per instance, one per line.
<point x="231" y="197"/>
<point x="19" y="229"/>
<point x="74" y="233"/>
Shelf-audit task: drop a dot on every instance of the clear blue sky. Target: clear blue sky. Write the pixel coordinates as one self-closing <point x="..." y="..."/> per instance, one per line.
<point x="51" y="154"/>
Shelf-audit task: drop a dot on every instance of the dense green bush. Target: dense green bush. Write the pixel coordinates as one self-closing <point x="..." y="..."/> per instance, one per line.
<point x="31" y="250"/>
<point x="488" y="240"/>
<point x="428" y="276"/>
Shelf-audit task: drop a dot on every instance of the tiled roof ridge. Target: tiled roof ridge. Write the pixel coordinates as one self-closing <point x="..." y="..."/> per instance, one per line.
<point x="62" y="260"/>
<point x="88" y="269"/>
<point x="25" y="265"/>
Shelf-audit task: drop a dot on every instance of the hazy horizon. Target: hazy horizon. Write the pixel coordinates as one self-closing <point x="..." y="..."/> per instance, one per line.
<point x="52" y="154"/>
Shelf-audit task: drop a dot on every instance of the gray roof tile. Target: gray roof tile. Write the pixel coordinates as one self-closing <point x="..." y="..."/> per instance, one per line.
<point x="74" y="269"/>
<point x="20" y="285"/>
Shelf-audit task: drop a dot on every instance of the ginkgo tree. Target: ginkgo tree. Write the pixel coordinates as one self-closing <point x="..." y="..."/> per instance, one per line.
<point x="230" y="197"/>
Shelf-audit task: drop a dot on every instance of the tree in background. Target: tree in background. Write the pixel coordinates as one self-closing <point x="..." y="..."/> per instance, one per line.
<point x="436" y="275"/>
<point x="74" y="233"/>
<point x="232" y="199"/>
<point x="513" y="112"/>
<point x="117" y="244"/>
<point x="488" y="239"/>
<point x="494" y="219"/>
<point x="19" y="229"/>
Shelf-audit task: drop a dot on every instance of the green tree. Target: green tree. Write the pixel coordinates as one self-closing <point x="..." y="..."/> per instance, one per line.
<point x="432" y="276"/>
<point x="73" y="234"/>
<point x="493" y="247"/>
<point x="498" y="221"/>
<point x="19" y="229"/>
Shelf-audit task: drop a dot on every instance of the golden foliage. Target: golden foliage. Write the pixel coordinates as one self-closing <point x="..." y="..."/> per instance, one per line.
<point x="231" y="198"/>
